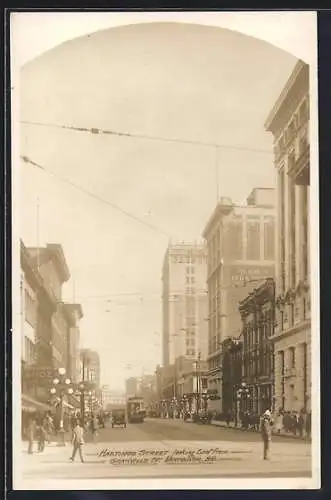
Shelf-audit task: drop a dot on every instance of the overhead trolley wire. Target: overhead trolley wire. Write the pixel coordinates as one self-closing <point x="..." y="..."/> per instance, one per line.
<point x="28" y="160"/>
<point x="101" y="131"/>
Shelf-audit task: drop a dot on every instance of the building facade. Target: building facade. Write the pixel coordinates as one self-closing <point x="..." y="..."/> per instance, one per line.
<point x="112" y="399"/>
<point x="289" y="124"/>
<point x="74" y="314"/>
<point x="45" y="321"/>
<point x="258" y="317"/>
<point x="241" y="253"/>
<point x="131" y="386"/>
<point x="185" y="303"/>
<point x="52" y="324"/>
<point x="232" y="357"/>
<point x="90" y="367"/>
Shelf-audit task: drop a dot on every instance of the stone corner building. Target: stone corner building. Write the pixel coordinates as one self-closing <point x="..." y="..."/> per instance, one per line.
<point x="289" y="124"/>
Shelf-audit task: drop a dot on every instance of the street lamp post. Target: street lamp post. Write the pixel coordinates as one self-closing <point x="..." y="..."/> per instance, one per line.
<point x="241" y="392"/>
<point x="61" y="385"/>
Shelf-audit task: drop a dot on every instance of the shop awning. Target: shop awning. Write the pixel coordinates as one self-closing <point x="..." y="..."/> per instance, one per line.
<point x="31" y="405"/>
<point x="65" y="405"/>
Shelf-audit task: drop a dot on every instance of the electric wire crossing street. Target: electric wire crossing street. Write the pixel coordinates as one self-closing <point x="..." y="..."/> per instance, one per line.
<point x="172" y="448"/>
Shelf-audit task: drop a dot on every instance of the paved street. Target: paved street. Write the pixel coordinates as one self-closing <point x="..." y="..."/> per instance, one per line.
<point x="239" y="454"/>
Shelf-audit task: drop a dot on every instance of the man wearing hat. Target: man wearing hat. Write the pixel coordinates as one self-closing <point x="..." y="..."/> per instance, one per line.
<point x="266" y="423"/>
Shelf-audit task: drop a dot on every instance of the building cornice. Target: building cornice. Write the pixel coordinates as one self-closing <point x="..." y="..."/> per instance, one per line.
<point x="290" y="331"/>
<point x="299" y="68"/>
<point x="219" y="212"/>
<point x="259" y="296"/>
<point x="71" y="308"/>
<point x="59" y="260"/>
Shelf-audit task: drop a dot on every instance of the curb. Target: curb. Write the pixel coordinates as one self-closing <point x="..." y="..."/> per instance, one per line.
<point x="285" y="435"/>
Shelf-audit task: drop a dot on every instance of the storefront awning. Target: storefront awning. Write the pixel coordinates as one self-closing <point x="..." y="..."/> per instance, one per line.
<point x="65" y="405"/>
<point x="31" y="405"/>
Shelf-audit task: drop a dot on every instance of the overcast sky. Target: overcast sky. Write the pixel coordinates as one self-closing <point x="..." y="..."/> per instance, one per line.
<point x="167" y="80"/>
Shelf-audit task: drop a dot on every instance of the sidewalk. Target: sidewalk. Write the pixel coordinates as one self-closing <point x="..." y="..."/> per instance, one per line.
<point x="282" y="433"/>
<point x="232" y="426"/>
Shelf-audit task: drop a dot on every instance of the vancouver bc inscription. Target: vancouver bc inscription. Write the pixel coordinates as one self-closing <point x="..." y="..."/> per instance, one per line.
<point x="175" y="456"/>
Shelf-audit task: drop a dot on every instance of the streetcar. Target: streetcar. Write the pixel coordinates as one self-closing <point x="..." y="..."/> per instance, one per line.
<point x="135" y="408"/>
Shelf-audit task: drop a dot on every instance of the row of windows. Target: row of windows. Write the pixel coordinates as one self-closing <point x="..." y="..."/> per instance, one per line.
<point x="298" y="234"/>
<point x="298" y="120"/>
<point x="190" y="279"/>
<point x="190" y="342"/>
<point x="190" y="270"/>
<point x="29" y="353"/>
<point x="188" y="259"/>
<point x="238" y="247"/>
<point x="30" y="306"/>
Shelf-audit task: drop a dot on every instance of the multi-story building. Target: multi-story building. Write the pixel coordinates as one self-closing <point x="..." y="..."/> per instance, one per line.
<point x="52" y="325"/>
<point x="232" y="375"/>
<point x="30" y="284"/>
<point x="46" y="321"/>
<point x="90" y="367"/>
<point x="185" y="381"/>
<point x="131" y="386"/>
<point x="258" y="317"/>
<point x="74" y="314"/>
<point x="241" y="252"/>
<point x="289" y="124"/>
<point x="112" y="399"/>
<point x="185" y="303"/>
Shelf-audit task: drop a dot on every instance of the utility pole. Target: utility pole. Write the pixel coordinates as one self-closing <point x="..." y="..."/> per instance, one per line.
<point x="217" y="173"/>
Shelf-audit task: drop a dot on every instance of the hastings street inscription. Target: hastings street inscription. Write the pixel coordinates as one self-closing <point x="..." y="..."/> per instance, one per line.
<point x="175" y="456"/>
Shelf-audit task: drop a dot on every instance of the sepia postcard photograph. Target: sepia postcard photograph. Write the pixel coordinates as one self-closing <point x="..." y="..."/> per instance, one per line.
<point x="165" y="250"/>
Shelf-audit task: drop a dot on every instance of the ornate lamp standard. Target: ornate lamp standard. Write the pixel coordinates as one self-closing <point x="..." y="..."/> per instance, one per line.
<point x="83" y="388"/>
<point x="61" y="386"/>
<point x="242" y="392"/>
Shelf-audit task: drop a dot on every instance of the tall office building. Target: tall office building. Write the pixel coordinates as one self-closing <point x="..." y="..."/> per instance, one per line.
<point x="185" y="303"/>
<point x="241" y="253"/>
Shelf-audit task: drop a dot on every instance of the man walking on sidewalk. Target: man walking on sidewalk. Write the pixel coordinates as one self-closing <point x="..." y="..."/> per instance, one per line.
<point x="77" y="441"/>
<point x="266" y="424"/>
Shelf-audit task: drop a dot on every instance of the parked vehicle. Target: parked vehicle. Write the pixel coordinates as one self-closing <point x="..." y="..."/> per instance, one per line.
<point x="118" y="417"/>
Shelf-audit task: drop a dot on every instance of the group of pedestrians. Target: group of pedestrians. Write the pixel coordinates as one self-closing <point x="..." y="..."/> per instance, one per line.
<point x="296" y="423"/>
<point x="39" y="429"/>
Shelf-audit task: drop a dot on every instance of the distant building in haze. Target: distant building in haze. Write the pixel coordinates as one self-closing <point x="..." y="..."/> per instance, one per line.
<point x="131" y="386"/>
<point x="90" y="366"/>
<point x="185" y="302"/>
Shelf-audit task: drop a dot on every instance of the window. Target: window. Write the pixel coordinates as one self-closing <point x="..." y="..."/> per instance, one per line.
<point x="304" y="309"/>
<point x="282" y="228"/>
<point x="282" y="361"/>
<point x="292" y="314"/>
<point x="292" y="231"/>
<point x="253" y="239"/>
<point x="304" y="212"/>
<point x="292" y="357"/>
<point x="234" y="240"/>
<point x="305" y="378"/>
<point x="269" y="238"/>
